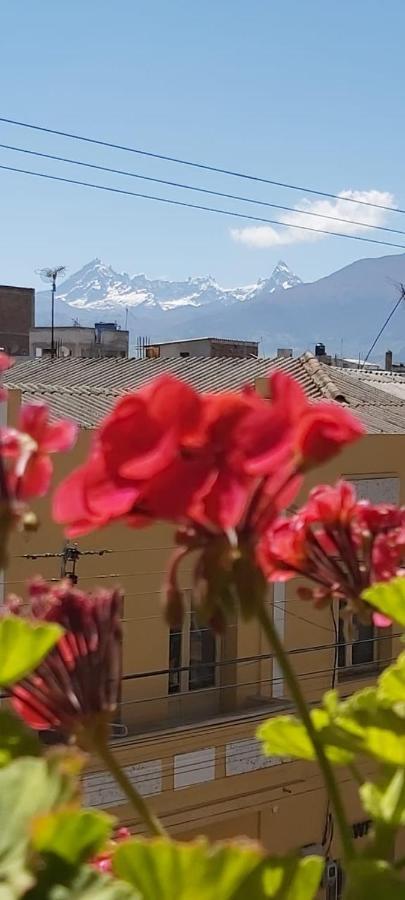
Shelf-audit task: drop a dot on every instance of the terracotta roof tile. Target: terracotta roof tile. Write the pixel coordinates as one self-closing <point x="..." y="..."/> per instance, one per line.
<point x="85" y="389"/>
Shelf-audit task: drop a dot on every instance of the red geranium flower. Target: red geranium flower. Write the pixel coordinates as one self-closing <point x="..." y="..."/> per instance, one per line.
<point x="320" y="429"/>
<point x="340" y="544"/>
<point x="103" y="861"/>
<point x="39" y="437"/>
<point x="5" y="363"/>
<point x="220" y="466"/>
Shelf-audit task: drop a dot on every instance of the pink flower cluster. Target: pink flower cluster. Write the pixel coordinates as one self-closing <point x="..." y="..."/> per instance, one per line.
<point x="103" y="861"/>
<point x="340" y="544"/>
<point x="26" y="468"/>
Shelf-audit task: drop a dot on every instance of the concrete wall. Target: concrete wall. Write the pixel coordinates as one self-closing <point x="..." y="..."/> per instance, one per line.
<point x="17" y="306"/>
<point x="79" y="341"/>
<point x="207" y="775"/>
<point x="207" y="347"/>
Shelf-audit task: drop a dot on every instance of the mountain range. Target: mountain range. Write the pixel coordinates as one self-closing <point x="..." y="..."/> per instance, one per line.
<point x="344" y="310"/>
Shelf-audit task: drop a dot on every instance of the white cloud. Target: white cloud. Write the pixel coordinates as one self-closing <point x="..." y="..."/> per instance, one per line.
<point x="269" y="236"/>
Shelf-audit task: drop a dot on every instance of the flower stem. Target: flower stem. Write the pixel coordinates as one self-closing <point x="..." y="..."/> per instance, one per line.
<point x="303" y="711"/>
<point x="154" y="825"/>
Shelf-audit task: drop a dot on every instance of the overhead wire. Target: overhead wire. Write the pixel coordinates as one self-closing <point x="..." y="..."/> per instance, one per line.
<point x="196" y="165"/>
<point x="212" y="209"/>
<point x="213" y="689"/>
<point x="201" y="190"/>
<point x="247" y="809"/>
<point x="315" y="648"/>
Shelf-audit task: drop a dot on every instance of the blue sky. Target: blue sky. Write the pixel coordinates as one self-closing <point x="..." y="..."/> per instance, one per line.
<point x="304" y="91"/>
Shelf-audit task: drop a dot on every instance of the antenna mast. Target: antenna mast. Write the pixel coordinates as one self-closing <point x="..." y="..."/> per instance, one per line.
<point x="51" y="275"/>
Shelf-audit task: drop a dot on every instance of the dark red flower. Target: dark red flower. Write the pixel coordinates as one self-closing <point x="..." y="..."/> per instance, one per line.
<point x="77" y="684"/>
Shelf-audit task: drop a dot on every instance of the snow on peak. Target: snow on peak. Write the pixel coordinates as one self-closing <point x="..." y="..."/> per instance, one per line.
<point x="98" y="286"/>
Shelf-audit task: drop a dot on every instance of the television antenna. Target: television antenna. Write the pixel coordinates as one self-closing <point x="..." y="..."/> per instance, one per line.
<point x="51" y="275"/>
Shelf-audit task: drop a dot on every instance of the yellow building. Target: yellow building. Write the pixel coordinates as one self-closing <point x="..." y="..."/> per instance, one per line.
<point x="191" y="702"/>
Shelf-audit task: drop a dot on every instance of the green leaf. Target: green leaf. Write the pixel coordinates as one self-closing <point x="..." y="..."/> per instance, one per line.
<point x="373" y="879"/>
<point x="301" y="878"/>
<point x="391" y="686"/>
<point x="15" y="739"/>
<point x="385" y="802"/>
<point x="83" y="883"/>
<point x="284" y="735"/>
<point x="74" y="835"/>
<point x="161" y="869"/>
<point x="23" y="645"/>
<point x="28" y="788"/>
<point x="287" y="736"/>
<point x="389" y="598"/>
<point x="372" y="727"/>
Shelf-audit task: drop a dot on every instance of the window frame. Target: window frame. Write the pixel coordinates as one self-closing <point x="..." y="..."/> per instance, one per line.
<point x="350" y="669"/>
<point x="183" y="654"/>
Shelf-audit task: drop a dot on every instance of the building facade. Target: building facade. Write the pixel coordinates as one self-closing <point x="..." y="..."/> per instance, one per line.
<point x="17" y="310"/>
<point x="191" y="702"/>
<point x="104" y="340"/>
<point x="211" y="348"/>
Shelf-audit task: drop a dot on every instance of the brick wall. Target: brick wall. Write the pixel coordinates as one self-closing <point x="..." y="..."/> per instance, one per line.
<point x="17" y="307"/>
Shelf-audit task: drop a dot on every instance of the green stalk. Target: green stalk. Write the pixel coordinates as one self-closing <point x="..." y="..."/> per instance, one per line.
<point x="303" y="711"/>
<point x="141" y="808"/>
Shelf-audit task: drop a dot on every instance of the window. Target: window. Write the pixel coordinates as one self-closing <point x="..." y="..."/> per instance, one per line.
<point x="359" y="649"/>
<point x="202" y="655"/>
<point x="192" y="656"/>
<point x="184" y="354"/>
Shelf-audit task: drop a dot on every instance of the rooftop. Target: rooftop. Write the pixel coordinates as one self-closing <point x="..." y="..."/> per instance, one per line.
<point x="391" y="382"/>
<point x="85" y="389"/>
<point x="199" y="339"/>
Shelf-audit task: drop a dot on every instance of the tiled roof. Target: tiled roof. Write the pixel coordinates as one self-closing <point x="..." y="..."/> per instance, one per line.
<point x="85" y="389"/>
<point x="381" y="413"/>
<point x="85" y="404"/>
<point x="392" y="382"/>
<point x="203" y="373"/>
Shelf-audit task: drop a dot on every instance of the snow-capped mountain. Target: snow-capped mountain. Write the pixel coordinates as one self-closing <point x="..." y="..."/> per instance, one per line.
<point x="97" y="286"/>
<point x="344" y="310"/>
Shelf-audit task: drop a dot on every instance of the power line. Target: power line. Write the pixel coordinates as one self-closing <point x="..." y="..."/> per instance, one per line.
<point x="196" y="165"/>
<point x="197" y="206"/>
<point x="201" y="190"/>
<point x="259" y="658"/>
<point x="383" y="327"/>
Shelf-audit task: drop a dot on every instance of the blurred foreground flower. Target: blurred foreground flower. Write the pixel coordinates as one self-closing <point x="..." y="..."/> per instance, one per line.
<point x="25" y="466"/>
<point x="5" y="363"/>
<point x="340" y="544"/>
<point x="75" y="689"/>
<point x="103" y="861"/>
<point x="219" y="466"/>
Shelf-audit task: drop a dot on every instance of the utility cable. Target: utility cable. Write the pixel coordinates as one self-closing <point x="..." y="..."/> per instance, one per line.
<point x="200" y="207"/>
<point x="196" y="165"/>
<point x="201" y="190"/>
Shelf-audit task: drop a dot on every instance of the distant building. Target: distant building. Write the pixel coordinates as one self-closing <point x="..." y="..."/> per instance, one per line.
<point x="105" y="339"/>
<point x="17" y="305"/>
<point x="343" y="362"/>
<point x="209" y="347"/>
